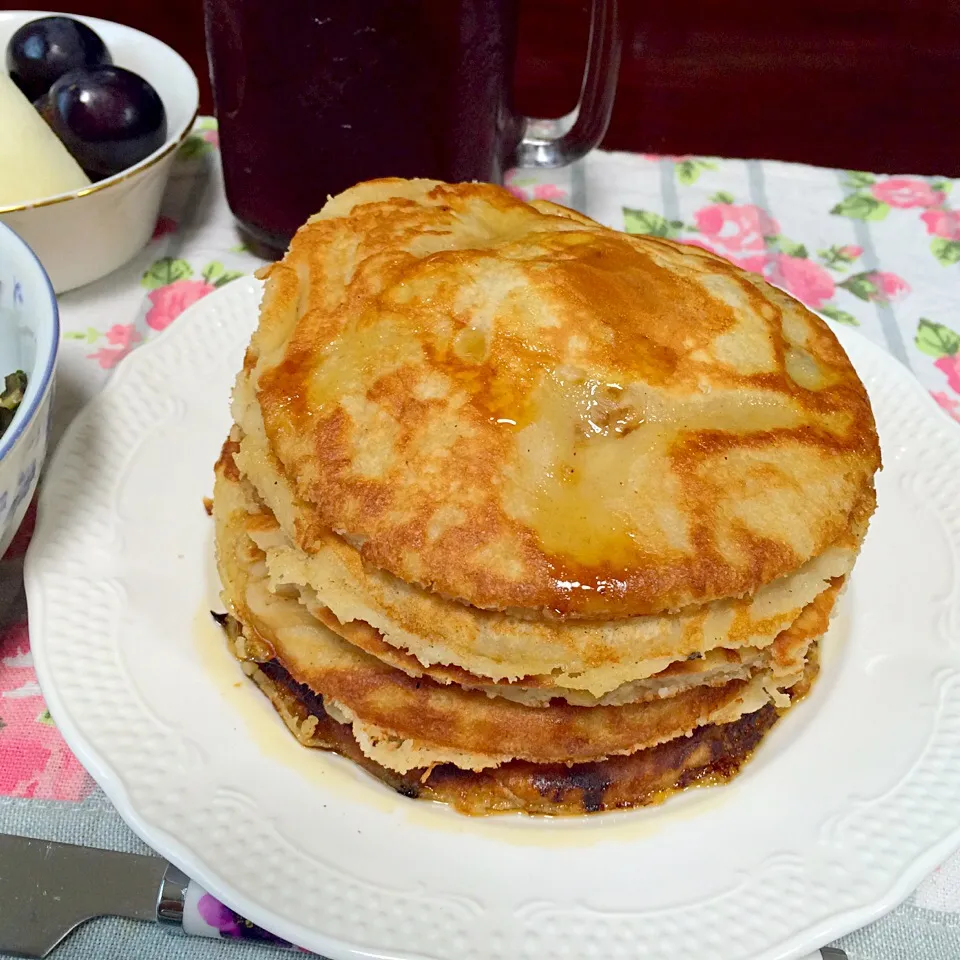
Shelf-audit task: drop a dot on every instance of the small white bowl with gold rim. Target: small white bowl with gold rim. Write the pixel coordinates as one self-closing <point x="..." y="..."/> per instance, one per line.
<point x="85" y="234"/>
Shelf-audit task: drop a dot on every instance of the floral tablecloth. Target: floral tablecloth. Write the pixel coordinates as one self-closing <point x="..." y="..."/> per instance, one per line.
<point x="881" y="253"/>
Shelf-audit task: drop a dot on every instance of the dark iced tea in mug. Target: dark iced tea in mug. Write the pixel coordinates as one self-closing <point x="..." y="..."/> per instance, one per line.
<point x="313" y="96"/>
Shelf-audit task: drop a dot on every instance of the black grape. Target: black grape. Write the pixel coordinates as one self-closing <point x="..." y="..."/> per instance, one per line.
<point x="43" y="50"/>
<point x="109" y="118"/>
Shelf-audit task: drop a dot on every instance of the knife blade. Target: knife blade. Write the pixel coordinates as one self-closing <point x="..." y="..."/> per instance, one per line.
<point x="48" y="889"/>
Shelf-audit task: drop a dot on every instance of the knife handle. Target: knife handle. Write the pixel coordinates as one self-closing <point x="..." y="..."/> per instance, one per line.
<point x="183" y="906"/>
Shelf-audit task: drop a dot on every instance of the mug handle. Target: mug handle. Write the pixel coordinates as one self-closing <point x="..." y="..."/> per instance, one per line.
<point x="596" y="98"/>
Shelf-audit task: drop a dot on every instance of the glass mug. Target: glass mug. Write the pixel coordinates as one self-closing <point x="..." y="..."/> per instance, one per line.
<point x="313" y="96"/>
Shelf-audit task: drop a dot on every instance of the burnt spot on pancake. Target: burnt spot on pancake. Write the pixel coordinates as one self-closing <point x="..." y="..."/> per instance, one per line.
<point x="313" y="702"/>
<point x="728" y="750"/>
<point x="557" y="781"/>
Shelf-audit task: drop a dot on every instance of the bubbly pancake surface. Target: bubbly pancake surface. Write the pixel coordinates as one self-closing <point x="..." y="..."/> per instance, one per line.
<point x="518" y="408"/>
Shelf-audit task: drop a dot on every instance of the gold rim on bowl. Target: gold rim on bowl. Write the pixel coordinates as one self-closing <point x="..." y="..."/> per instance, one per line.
<point x="110" y="181"/>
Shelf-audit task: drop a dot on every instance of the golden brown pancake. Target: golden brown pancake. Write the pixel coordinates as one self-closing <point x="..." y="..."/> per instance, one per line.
<point x="406" y="723"/>
<point x="711" y="755"/>
<point x="515" y="407"/>
<point x="714" y="667"/>
<point x="596" y="661"/>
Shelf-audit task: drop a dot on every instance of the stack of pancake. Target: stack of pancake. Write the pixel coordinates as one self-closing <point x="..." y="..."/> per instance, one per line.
<point x="522" y="513"/>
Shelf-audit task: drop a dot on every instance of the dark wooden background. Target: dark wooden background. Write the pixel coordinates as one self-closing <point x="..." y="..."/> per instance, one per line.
<point x="871" y="84"/>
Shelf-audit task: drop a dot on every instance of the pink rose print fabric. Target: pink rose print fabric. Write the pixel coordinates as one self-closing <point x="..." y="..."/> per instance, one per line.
<point x="804" y="278"/>
<point x="121" y="339"/>
<point x="36" y="761"/>
<point x="949" y="366"/>
<point x="750" y="237"/>
<point x="942" y="223"/>
<point x="906" y="192"/>
<point x="736" y="232"/>
<point x="172" y="286"/>
<point x="876" y="198"/>
<point x="832" y="278"/>
<point x="735" y="228"/>
<point x="525" y="188"/>
<point x="876" y="286"/>
<point x="942" y="343"/>
<point x="167" y="303"/>
<point x="889" y="286"/>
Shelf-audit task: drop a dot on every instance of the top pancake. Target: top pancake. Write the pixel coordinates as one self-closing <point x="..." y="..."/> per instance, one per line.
<point x="516" y="407"/>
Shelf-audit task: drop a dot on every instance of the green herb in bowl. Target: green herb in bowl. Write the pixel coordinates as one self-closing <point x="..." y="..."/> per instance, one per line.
<point x="14" y="387"/>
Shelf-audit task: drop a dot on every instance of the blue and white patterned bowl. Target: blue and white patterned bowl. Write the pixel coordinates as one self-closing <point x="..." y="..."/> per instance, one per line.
<point x="29" y="338"/>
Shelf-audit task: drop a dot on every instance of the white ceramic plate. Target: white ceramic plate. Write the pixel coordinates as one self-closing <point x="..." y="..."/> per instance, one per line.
<point x="853" y="798"/>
